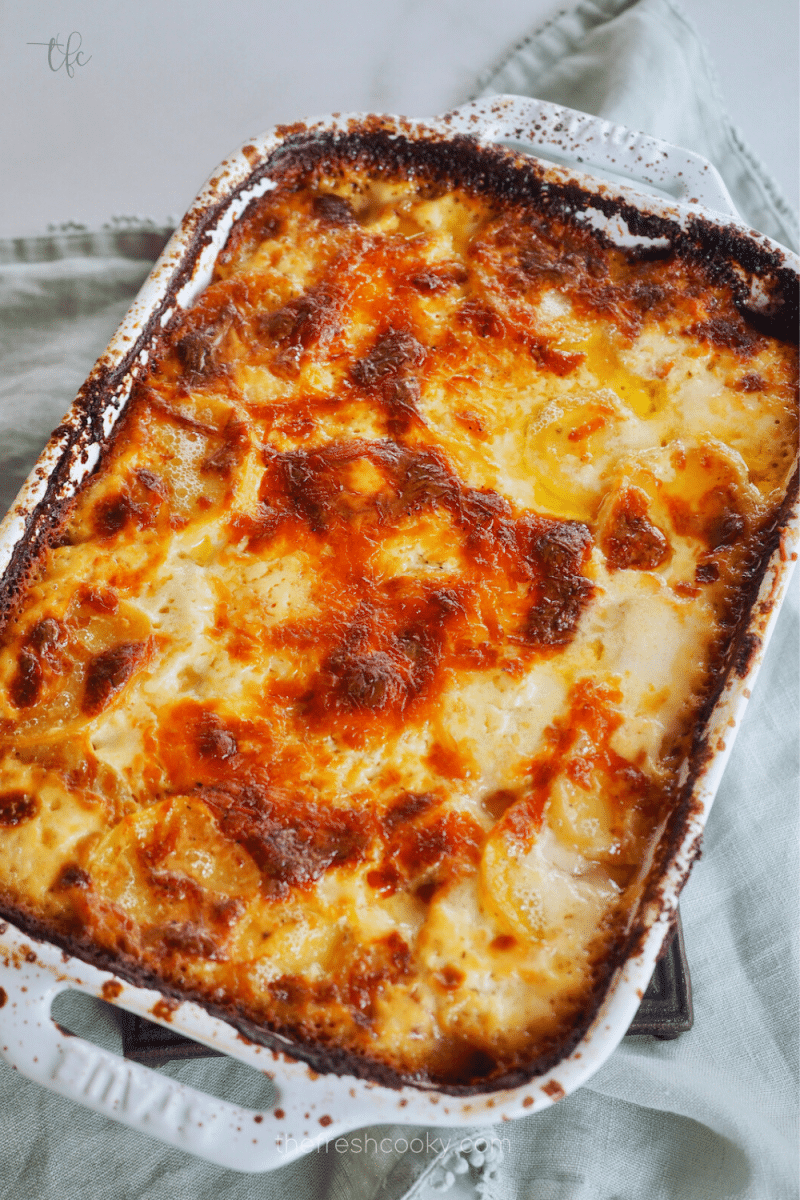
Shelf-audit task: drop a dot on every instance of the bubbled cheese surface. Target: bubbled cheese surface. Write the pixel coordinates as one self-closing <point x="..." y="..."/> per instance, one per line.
<point x="357" y="691"/>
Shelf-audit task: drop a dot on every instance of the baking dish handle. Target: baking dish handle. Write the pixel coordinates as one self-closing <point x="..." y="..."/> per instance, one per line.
<point x="583" y="141"/>
<point x="230" y="1136"/>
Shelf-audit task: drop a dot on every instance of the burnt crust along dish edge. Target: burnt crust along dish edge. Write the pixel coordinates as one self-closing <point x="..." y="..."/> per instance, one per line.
<point x="728" y="254"/>
<point x="491" y="171"/>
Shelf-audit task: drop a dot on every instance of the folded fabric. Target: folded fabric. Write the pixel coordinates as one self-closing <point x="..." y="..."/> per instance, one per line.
<point x="642" y="64"/>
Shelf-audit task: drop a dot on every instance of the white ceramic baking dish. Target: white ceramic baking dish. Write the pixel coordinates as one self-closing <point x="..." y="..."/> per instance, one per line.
<point x="310" y="1108"/>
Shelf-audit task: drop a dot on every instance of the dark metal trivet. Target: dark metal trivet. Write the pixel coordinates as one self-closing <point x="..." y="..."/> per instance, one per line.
<point x="665" y="1012"/>
<point x="154" y="1045"/>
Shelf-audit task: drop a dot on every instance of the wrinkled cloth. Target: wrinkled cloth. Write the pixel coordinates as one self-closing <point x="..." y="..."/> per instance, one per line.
<point x="644" y="66"/>
<point x="710" y="1116"/>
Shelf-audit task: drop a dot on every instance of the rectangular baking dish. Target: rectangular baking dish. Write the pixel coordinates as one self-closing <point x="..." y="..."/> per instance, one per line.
<point x="312" y="1108"/>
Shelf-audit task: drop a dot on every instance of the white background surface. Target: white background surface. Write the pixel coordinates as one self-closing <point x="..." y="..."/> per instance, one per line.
<point x="167" y="90"/>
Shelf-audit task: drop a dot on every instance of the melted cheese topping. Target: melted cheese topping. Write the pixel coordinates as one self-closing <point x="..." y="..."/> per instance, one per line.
<point x="356" y="692"/>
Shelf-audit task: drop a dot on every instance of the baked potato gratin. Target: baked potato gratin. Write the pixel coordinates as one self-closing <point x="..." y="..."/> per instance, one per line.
<point x="360" y="690"/>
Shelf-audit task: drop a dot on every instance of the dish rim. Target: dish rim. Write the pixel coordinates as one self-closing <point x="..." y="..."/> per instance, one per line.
<point x="181" y="273"/>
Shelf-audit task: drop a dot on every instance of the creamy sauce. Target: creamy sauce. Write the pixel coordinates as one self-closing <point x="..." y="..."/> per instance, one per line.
<point x="359" y="689"/>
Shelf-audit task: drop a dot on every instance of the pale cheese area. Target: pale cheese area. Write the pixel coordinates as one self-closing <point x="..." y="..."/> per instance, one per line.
<point x="207" y="649"/>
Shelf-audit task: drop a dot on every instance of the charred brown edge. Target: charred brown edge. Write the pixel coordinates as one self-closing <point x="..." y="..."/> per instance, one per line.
<point x="440" y="162"/>
<point x="742" y="644"/>
<point x="320" y="1057"/>
<point x="504" y="178"/>
<point x="84" y="425"/>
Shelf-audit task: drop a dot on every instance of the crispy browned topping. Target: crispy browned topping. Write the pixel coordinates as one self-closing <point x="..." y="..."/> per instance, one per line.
<point x="16" y="807"/>
<point x="631" y="540"/>
<point x="336" y="697"/>
<point x="108" y="672"/>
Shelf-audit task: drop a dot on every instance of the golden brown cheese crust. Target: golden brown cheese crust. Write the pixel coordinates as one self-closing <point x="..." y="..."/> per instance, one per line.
<point x="354" y="696"/>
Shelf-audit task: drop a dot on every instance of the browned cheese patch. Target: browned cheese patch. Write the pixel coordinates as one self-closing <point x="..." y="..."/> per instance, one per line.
<point x="331" y="705"/>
